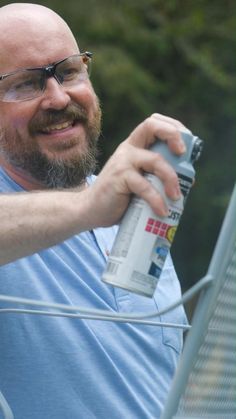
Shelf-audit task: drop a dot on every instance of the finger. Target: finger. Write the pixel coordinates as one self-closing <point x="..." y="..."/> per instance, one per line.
<point x="154" y="163"/>
<point x="143" y="188"/>
<point x="154" y="128"/>
<point x="131" y="159"/>
<point x="179" y="125"/>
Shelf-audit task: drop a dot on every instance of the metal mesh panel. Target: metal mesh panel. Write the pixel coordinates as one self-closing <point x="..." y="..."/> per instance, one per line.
<point x="211" y="385"/>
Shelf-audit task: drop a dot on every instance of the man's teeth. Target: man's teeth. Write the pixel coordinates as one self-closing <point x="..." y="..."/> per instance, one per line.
<point x="58" y="127"/>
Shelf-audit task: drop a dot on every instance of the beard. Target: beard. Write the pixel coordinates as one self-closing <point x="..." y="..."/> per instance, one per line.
<point x="55" y="172"/>
<point x="58" y="173"/>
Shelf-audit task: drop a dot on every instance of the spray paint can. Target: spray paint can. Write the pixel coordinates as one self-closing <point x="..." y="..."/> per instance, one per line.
<point x="144" y="239"/>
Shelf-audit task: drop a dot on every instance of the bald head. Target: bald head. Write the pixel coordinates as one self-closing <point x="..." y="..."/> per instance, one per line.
<point x="31" y="31"/>
<point x="24" y="8"/>
<point x="16" y="13"/>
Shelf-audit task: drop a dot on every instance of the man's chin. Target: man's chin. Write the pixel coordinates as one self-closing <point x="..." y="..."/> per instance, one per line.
<point x="67" y="151"/>
<point x="65" y="169"/>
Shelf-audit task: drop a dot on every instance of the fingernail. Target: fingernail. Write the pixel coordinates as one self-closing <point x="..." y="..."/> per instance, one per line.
<point x="182" y="147"/>
<point x="164" y="211"/>
<point x="177" y="193"/>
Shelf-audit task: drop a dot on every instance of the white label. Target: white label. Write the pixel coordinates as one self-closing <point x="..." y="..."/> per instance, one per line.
<point x="142" y="244"/>
<point x="127" y="229"/>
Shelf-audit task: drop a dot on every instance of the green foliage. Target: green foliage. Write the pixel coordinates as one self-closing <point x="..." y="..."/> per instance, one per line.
<point x="175" y="57"/>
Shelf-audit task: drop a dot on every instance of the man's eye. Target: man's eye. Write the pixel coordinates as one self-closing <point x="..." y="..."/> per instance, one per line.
<point x="71" y="72"/>
<point x="26" y="84"/>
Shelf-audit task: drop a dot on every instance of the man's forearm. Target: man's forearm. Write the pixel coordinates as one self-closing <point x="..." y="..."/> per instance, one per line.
<point x="36" y="220"/>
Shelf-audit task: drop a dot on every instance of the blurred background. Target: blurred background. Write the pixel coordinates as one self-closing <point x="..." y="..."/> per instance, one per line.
<point x="175" y="57"/>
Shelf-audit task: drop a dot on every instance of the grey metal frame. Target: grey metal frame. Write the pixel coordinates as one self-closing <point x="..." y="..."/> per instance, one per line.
<point x="204" y="385"/>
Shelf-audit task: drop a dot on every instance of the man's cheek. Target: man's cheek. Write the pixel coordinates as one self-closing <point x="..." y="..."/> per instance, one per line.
<point x="19" y="123"/>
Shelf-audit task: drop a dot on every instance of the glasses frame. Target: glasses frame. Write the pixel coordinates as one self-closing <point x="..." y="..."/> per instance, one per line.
<point x="48" y="70"/>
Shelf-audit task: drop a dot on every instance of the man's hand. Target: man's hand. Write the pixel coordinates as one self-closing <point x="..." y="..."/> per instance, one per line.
<point x="123" y="174"/>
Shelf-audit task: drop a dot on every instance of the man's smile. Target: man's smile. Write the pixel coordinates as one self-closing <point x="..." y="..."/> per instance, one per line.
<point x="58" y="127"/>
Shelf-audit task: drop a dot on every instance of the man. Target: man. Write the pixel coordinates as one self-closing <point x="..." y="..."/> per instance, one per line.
<point x="58" y="368"/>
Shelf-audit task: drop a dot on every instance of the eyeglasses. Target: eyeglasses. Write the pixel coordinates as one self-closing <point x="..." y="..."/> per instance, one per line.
<point x="30" y="83"/>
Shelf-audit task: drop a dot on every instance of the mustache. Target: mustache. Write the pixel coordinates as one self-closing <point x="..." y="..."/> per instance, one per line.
<point x="73" y="113"/>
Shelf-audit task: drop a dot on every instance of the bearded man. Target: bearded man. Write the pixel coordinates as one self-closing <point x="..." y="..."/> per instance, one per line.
<point x="56" y="233"/>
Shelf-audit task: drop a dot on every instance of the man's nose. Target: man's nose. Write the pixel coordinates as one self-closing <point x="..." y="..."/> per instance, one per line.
<point x="54" y="96"/>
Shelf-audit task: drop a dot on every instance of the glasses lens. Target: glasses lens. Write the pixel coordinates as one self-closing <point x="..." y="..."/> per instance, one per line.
<point x="22" y="85"/>
<point x="73" y="69"/>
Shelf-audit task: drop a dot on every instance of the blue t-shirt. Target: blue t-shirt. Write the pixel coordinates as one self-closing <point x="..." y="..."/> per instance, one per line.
<point x="61" y="368"/>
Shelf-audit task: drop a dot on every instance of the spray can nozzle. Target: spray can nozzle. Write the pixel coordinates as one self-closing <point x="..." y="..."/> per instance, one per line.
<point x="197" y="150"/>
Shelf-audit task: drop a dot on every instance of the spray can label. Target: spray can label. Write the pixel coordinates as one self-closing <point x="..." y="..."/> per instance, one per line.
<point x="137" y="266"/>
